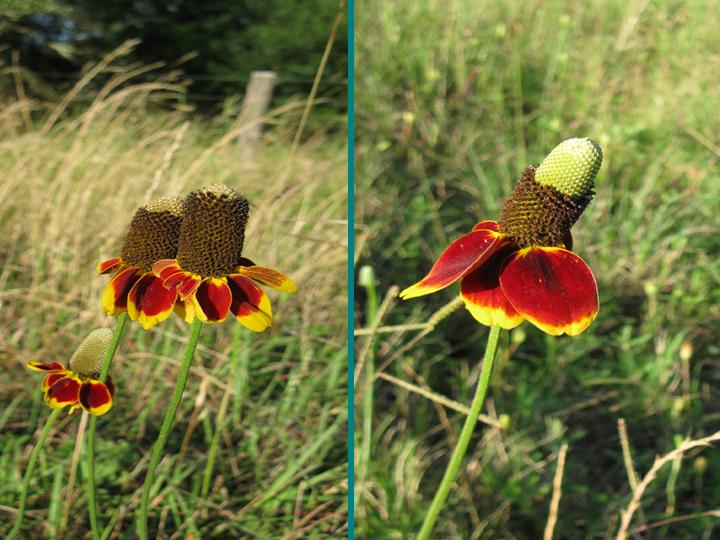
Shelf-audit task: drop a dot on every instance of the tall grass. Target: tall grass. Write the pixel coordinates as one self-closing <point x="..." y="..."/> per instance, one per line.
<point x="455" y="98"/>
<point x="259" y="447"/>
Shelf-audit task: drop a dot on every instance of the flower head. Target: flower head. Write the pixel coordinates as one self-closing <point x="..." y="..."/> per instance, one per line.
<point x="77" y="385"/>
<point x="521" y="267"/>
<point x="153" y="235"/>
<point x="210" y="275"/>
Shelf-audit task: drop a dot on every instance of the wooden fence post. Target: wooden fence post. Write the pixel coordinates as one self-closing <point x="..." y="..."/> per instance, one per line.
<point x="255" y="104"/>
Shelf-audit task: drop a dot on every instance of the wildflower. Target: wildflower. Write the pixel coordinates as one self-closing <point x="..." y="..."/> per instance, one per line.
<point x="521" y="267"/>
<point x="209" y="274"/>
<point x="153" y="235"/>
<point x="77" y="385"/>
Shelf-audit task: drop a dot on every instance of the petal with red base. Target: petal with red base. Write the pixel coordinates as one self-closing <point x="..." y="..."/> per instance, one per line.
<point x="63" y="392"/>
<point x="250" y="304"/>
<point x="149" y="302"/>
<point x="459" y="259"/>
<point x="552" y="288"/>
<point x="212" y="299"/>
<point x="165" y="267"/>
<point x="95" y="397"/>
<point x="114" y="299"/>
<point x="47" y="367"/>
<point x="51" y="379"/>
<point x="487" y="225"/>
<point x="483" y="297"/>
<point x="268" y="276"/>
<point x="108" y="266"/>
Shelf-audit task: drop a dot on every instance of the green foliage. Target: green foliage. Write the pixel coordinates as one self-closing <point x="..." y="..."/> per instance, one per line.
<point x="454" y="101"/>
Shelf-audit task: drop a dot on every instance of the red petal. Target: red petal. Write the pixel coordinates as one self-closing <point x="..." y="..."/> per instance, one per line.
<point x="47" y="367"/>
<point x="173" y="280"/>
<point x="51" y="379"/>
<point x="149" y="302"/>
<point x="487" y="225"/>
<point x="484" y="298"/>
<point x="164" y="267"/>
<point x="552" y="288"/>
<point x="114" y="299"/>
<point x="212" y="300"/>
<point x="108" y="266"/>
<point x="188" y="286"/>
<point x="268" y="276"/>
<point x="95" y="397"/>
<point x="250" y="304"/>
<point x="63" y="393"/>
<point x="459" y="259"/>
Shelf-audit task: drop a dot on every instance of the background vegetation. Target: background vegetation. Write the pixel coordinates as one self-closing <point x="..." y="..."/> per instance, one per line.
<point x="454" y="100"/>
<point x="259" y="446"/>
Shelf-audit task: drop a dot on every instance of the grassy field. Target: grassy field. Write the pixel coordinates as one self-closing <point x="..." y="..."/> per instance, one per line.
<point x="259" y="445"/>
<point x="455" y="98"/>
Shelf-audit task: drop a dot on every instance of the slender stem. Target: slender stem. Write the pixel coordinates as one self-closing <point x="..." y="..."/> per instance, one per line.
<point x="91" y="488"/>
<point x="166" y="425"/>
<point x="29" y="473"/>
<point x="459" y="453"/>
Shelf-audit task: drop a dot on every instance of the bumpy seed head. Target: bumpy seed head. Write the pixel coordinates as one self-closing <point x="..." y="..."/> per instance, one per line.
<point x="571" y="167"/>
<point x="550" y="198"/>
<point x="153" y="233"/>
<point x="88" y="358"/>
<point x="213" y="231"/>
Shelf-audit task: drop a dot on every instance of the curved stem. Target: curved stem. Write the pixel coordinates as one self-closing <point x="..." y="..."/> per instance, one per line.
<point x="166" y="425"/>
<point x="459" y="453"/>
<point x="107" y="361"/>
<point x="29" y="473"/>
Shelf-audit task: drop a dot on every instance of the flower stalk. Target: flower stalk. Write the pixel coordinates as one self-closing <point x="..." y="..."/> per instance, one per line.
<point x="453" y="467"/>
<point x="159" y="446"/>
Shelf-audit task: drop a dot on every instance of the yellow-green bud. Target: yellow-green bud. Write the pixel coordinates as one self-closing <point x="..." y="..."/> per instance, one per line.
<point x="571" y="167"/>
<point x="88" y="358"/>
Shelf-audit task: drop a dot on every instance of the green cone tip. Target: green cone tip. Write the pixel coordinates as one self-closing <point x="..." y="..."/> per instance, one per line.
<point x="88" y="358"/>
<point x="571" y="167"/>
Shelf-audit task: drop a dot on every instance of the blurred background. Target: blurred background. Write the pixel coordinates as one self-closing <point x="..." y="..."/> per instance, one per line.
<point x="105" y="107"/>
<point x="454" y="99"/>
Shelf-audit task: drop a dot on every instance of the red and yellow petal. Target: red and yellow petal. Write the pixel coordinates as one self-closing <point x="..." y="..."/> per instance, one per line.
<point x="212" y="300"/>
<point x="51" y="379"/>
<point x="110" y="265"/>
<point x="47" y="367"/>
<point x="552" y="288"/>
<point x="250" y="304"/>
<point x="184" y="309"/>
<point x="270" y="277"/>
<point x="63" y="392"/>
<point x="114" y="299"/>
<point x="95" y="397"/>
<point x="149" y="302"/>
<point x="483" y="297"/>
<point x="460" y="258"/>
<point x="165" y="267"/>
<point x="487" y="225"/>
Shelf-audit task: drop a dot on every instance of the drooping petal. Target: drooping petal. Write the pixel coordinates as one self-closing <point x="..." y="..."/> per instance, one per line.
<point x="95" y="397"/>
<point x="268" y="276"/>
<point x="184" y="309"/>
<point x="164" y="267"/>
<point x="47" y="367"/>
<point x="212" y="299"/>
<point x="460" y="258"/>
<point x="487" y="225"/>
<point x="483" y="297"/>
<point x="114" y="299"/>
<point x="108" y="266"/>
<point x="552" y="288"/>
<point x="63" y="392"/>
<point x="250" y="304"/>
<point x="149" y="302"/>
<point x="51" y="379"/>
<point x="188" y="287"/>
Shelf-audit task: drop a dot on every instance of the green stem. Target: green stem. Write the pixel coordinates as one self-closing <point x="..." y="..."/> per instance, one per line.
<point x="459" y="453"/>
<point x="166" y="425"/>
<point x="29" y="473"/>
<point x="91" y="488"/>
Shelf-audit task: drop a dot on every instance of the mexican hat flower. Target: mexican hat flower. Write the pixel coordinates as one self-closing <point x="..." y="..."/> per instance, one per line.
<point x="153" y="235"/>
<point x="77" y="385"/>
<point x="522" y="267"/>
<point x="209" y="274"/>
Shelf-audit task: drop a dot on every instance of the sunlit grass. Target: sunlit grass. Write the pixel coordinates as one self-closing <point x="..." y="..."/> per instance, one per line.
<point x="67" y="193"/>
<point x="459" y="100"/>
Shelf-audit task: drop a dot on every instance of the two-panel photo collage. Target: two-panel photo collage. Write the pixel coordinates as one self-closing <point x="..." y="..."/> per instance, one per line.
<point x="336" y="269"/>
